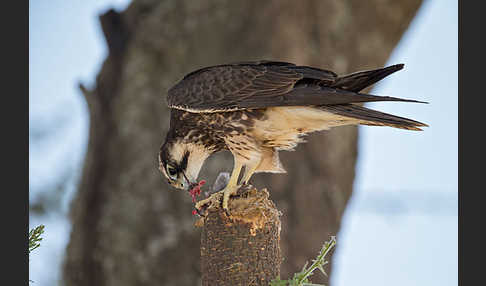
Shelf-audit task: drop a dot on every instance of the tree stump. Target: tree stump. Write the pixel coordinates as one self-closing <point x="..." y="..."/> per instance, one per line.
<point x="244" y="247"/>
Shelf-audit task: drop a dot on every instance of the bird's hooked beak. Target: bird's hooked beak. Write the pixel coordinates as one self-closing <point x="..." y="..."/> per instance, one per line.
<point x="188" y="185"/>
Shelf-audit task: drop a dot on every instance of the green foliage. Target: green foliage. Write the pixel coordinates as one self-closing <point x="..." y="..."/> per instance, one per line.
<point x="302" y="278"/>
<point x="35" y="237"/>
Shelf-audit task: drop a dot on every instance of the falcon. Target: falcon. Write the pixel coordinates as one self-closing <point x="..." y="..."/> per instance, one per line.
<point x="256" y="109"/>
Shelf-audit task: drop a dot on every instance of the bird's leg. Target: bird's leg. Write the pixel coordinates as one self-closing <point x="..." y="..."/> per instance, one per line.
<point x="231" y="187"/>
<point x="249" y="171"/>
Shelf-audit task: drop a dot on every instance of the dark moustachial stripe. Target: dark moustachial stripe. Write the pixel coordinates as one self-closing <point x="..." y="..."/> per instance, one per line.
<point x="183" y="164"/>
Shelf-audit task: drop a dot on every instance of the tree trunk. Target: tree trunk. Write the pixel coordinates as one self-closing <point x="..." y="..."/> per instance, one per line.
<point x="128" y="228"/>
<point x="244" y="248"/>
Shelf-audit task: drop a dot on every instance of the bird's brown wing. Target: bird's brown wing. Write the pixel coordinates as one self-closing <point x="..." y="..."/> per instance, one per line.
<point x="265" y="84"/>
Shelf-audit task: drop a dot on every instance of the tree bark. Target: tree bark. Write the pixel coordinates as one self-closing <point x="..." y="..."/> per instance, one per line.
<point x="128" y="227"/>
<point x="243" y="248"/>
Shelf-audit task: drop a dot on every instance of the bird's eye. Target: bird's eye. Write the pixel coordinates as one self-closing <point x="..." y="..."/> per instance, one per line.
<point x="172" y="172"/>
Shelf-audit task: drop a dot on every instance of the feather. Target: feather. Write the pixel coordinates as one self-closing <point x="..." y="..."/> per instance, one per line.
<point x="373" y="117"/>
<point x="262" y="84"/>
<point x="361" y="80"/>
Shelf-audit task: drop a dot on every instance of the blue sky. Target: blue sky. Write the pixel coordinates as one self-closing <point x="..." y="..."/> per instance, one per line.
<point x="401" y="225"/>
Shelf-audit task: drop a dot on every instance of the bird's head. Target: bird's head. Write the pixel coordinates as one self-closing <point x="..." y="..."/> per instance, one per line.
<point x="180" y="162"/>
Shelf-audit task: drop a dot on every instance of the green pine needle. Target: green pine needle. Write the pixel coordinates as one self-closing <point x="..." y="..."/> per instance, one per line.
<point x="35" y="237"/>
<point x="302" y="278"/>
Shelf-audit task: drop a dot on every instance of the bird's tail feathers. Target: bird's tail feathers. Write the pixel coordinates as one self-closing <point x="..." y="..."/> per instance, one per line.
<point x="372" y="117"/>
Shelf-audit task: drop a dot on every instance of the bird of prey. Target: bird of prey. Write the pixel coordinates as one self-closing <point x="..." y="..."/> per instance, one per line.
<point x="255" y="110"/>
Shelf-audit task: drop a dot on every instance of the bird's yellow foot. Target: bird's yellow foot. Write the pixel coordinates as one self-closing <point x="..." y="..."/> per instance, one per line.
<point x="202" y="205"/>
<point x="227" y="192"/>
<point x="217" y="198"/>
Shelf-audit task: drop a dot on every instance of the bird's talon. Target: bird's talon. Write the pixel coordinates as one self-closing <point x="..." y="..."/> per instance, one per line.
<point x="200" y="213"/>
<point x="203" y="204"/>
<point x="226" y="211"/>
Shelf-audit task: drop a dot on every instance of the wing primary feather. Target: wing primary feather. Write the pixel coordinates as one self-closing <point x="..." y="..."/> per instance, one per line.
<point x="318" y="95"/>
<point x="361" y="80"/>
